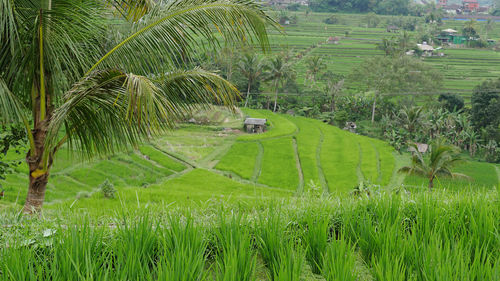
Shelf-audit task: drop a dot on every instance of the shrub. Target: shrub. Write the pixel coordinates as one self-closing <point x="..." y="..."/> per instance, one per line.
<point x="107" y="189"/>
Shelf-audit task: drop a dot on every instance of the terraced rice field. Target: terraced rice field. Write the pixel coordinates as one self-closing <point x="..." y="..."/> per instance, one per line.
<point x="301" y="152"/>
<point x="196" y="164"/>
<point x="462" y="68"/>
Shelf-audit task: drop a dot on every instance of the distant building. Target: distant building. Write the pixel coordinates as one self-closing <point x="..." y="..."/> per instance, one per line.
<point x="255" y="125"/>
<point x="426" y="49"/>
<point x="442" y="3"/>
<point x="450" y="36"/>
<point x="392" y="28"/>
<point x="470" y="5"/>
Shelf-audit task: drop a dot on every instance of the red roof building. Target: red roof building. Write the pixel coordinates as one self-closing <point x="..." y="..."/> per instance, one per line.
<point x="442" y="3"/>
<point x="471" y="5"/>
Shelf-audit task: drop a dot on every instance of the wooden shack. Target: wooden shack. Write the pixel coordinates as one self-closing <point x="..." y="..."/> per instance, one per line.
<point x="255" y="125"/>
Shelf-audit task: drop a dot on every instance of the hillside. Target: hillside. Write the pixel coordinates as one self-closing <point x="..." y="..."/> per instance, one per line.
<point x="197" y="163"/>
<point x="463" y="68"/>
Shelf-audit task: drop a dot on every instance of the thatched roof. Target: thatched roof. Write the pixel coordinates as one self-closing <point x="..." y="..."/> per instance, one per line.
<point x="425" y="47"/>
<point x="255" y="121"/>
<point x="449" y="30"/>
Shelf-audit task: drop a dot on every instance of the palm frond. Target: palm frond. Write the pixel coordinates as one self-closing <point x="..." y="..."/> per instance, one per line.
<point x="112" y="110"/>
<point x="11" y="109"/>
<point x="171" y="32"/>
<point x="132" y="10"/>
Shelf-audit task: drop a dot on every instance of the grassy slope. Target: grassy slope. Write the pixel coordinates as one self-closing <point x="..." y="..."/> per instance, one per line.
<point x="278" y="164"/>
<point x="157" y="177"/>
<point x="192" y="188"/>
<point x="240" y="159"/>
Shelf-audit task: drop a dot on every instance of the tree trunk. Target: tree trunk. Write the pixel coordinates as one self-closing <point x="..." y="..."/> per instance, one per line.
<point x="276" y="96"/>
<point x="431" y="183"/>
<point x="275" y="100"/>
<point x="373" y="107"/>
<point x="37" y="175"/>
<point x="248" y="93"/>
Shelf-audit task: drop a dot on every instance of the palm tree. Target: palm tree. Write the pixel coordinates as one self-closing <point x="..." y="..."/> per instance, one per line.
<point x="441" y="160"/>
<point x="470" y="28"/>
<point x="68" y="79"/>
<point x="315" y="65"/>
<point x="279" y="72"/>
<point x="252" y="67"/>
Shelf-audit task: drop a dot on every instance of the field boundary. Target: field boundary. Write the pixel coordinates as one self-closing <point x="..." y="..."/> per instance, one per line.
<point x="321" y="174"/>
<point x="379" y="164"/>
<point x="300" y="187"/>
<point x="359" y="170"/>
<point x="258" y="163"/>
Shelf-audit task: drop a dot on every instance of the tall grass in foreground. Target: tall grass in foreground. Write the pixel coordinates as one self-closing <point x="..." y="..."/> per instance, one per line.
<point x="235" y="256"/>
<point x="339" y="263"/>
<point x="426" y="236"/>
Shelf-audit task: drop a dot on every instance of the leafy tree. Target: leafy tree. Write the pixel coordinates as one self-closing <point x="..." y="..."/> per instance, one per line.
<point x="252" y="67"/>
<point x="451" y="102"/>
<point x="440" y="162"/>
<point x="470" y="29"/>
<point x="485" y="103"/>
<point x="371" y="20"/>
<point x="64" y="63"/>
<point x="279" y="72"/>
<point x="395" y="75"/>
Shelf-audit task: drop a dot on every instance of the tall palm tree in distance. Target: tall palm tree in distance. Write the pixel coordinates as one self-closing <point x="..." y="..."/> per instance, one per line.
<point x="279" y="72"/>
<point x="252" y="67"/>
<point x="100" y="75"/>
<point x="440" y="162"/>
<point x="315" y="65"/>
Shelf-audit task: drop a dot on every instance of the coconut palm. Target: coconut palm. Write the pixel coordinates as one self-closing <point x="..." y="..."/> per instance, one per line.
<point x="315" y="65"/>
<point x="252" y="67"/>
<point x="100" y="75"/>
<point x="441" y="160"/>
<point x="279" y="72"/>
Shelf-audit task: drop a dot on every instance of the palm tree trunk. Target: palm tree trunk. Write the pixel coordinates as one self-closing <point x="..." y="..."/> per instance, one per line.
<point x="431" y="183"/>
<point x="38" y="176"/>
<point x="248" y="92"/>
<point x="276" y="96"/>
<point x="373" y="107"/>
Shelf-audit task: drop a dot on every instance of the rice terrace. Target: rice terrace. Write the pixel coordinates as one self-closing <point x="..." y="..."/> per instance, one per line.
<point x="245" y="140"/>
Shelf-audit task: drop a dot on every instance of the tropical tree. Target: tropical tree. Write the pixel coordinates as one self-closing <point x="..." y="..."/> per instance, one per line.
<point x="315" y="65"/>
<point x="333" y="87"/>
<point x="470" y="28"/>
<point x="440" y="162"/>
<point x="252" y="67"/>
<point x="279" y="72"/>
<point x="395" y="75"/>
<point x="67" y="78"/>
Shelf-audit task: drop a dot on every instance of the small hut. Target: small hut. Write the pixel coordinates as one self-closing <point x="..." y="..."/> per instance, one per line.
<point x="255" y="125"/>
<point x="351" y="127"/>
<point x="392" y="28"/>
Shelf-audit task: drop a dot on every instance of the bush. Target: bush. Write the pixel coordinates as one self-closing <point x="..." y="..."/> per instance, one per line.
<point x="332" y="20"/>
<point x="341" y="117"/>
<point x="108" y="189"/>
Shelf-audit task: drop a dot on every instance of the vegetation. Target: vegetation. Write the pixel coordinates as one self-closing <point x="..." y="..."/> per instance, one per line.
<point x="386" y="235"/>
<point x="439" y="163"/>
<point x="77" y="88"/>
